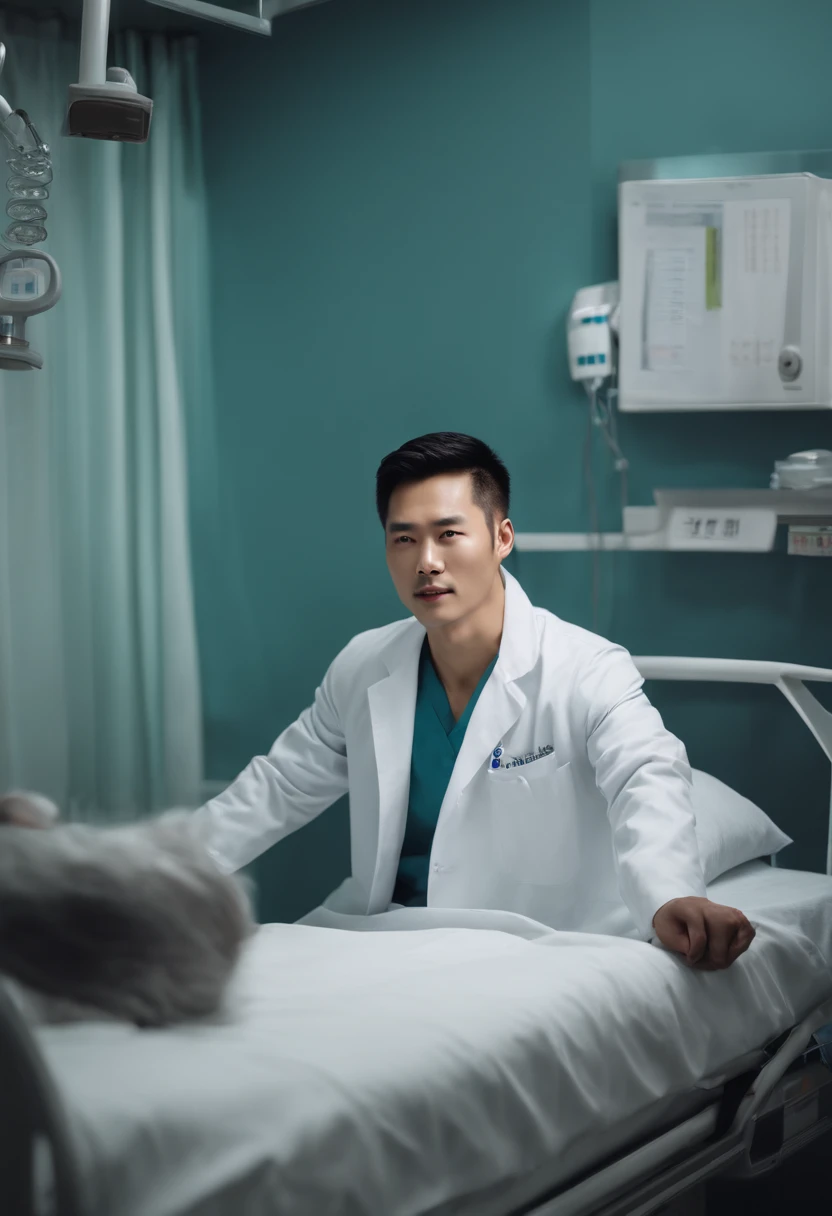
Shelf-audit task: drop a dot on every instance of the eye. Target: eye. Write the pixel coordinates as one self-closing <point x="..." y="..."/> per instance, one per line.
<point x="400" y="540"/>
<point x="451" y="533"/>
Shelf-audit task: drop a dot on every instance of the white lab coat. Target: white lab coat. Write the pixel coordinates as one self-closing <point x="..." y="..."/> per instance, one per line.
<point x="595" y="835"/>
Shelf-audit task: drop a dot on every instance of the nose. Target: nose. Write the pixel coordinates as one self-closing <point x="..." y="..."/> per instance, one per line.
<point x="430" y="562"/>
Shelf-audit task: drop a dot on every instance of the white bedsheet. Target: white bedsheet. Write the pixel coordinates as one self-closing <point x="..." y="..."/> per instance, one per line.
<point x="387" y="1073"/>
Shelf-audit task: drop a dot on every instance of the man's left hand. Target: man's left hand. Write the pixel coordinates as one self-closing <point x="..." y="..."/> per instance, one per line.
<point x="709" y="936"/>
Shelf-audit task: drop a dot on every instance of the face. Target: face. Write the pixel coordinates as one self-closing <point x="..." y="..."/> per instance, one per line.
<point x="441" y="551"/>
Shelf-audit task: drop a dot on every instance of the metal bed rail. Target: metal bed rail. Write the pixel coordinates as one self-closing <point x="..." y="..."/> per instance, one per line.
<point x="689" y="1153"/>
<point x="788" y="678"/>
<point x="38" y="1169"/>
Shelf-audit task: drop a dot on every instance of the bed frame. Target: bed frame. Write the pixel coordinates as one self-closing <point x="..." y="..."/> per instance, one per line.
<point x="38" y="1171"/>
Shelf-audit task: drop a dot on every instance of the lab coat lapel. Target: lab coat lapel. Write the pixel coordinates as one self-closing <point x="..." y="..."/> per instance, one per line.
<point x="501" y="701"/>
<point x="392" y="712"/>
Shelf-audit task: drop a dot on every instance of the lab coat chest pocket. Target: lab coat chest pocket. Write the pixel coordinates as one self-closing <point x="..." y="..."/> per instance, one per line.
<point x="534" y="823"/>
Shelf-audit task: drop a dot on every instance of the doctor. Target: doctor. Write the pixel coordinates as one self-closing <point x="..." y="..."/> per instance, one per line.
<point x="495" y="756"/>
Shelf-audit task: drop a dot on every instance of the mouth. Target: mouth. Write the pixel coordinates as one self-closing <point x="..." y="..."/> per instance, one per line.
<point x="433" y="594"/>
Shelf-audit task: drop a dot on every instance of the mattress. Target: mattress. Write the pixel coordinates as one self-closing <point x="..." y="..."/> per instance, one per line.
<point x="433" y="1062"/>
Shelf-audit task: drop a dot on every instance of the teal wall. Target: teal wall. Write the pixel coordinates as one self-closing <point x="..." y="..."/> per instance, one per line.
<point x="404" y="197"/>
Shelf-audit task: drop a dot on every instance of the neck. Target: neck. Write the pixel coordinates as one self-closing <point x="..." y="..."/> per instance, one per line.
<point x="462" y="651"/>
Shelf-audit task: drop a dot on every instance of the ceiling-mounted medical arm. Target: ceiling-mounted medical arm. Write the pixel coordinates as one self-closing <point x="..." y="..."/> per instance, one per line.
<point x="95" y="30"/>
<point x="257" y="22"/>
<point x="105" y="103"/>
<point x="30" y="282"/>
<point x="251" y="23"/>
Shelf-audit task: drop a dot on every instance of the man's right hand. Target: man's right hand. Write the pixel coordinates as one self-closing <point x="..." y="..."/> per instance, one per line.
<point x="709" y="936"/>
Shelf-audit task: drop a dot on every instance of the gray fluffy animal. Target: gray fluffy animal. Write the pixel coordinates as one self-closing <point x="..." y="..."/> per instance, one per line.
<point x="132" y="922"/>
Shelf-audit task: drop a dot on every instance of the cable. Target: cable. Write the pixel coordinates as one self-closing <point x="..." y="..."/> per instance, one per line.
<point x="592" y="390"/>
<point x="31" y="164"/>
<point x="602" y="417"/>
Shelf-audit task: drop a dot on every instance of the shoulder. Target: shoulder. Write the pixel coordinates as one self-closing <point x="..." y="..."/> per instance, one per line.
<point x="362" y="657"/>
<point x="580" y="646"/>
<point x="593" y="669"/>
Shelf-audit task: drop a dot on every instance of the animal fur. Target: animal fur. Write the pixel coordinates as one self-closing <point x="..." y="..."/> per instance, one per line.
<point x="133" y="922"/>
<point x="26" y="810"/>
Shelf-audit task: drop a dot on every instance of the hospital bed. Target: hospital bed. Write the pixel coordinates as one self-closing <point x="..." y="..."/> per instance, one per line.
<point x="427" y="1069"/>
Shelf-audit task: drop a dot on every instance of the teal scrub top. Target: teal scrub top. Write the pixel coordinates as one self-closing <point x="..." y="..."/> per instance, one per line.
<point x="437" y="739"/>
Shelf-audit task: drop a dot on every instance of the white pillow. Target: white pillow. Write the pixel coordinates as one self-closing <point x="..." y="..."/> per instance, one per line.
<point x="730" y="829"/>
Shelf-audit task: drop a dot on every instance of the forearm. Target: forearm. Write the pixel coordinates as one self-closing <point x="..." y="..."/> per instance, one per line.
<point x="654" y="837"/>
<point x="643" y="772"/>
<point x="304" y="773"/>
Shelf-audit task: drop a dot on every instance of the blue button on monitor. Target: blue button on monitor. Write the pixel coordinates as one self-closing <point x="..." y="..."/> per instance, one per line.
<point x="581" y="360"/>
<point x="590" y="358"/>
<point x="602" y="358"/>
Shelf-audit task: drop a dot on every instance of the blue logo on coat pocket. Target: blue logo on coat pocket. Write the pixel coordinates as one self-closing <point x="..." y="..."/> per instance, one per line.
<point x="516" y="761"/>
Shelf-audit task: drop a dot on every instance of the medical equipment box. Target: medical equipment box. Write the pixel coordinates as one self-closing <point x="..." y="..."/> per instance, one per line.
<point x="725" y="293"/>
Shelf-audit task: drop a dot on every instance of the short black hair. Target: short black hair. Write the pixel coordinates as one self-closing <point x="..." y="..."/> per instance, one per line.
<point x="446" y="452"/>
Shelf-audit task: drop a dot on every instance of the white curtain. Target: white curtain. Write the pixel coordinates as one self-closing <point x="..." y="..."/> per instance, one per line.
<point x="99" y="677"/>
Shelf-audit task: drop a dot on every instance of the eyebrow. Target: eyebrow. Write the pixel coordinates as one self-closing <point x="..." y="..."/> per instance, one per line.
<point x="447" y="522"/>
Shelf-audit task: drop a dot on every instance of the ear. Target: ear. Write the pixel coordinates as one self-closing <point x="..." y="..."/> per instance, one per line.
<point x="20" y="808"/>
<point x="504" y="538"/>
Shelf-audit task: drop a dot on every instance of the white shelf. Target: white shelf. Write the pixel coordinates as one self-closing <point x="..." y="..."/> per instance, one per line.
<point x="564" y="542"/>
<point x="788" y="504"/>
<point x="650" y="528"/>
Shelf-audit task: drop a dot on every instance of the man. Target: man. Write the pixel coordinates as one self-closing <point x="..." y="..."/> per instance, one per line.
<point x="495" y="756"/>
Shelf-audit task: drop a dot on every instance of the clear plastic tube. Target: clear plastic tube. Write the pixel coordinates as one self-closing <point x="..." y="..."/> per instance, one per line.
<point x="602" y="417"/>
<point x="30" y="161"/>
